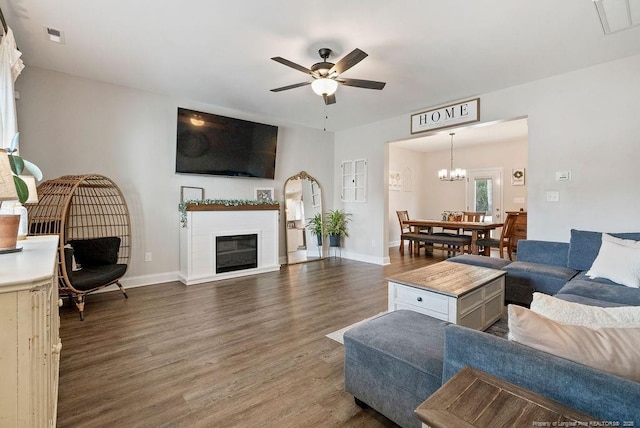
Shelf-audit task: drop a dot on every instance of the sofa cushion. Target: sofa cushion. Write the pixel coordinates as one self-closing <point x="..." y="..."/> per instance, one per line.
<point x="584" y="247"/>
<point x="618" y="260"/>
<point x="599" y="291"/>
<point x="96" y="276"/>
<point x="96" y="251"/>
<point x="585" y="315"/>
<point x="612" y="350"/>
<point x="540" y="277"/>
<point x="482" y="261"/>
<point x="394" y="362"/>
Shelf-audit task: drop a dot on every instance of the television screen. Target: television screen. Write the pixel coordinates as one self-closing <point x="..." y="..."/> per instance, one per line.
<point x="219" y="145"/>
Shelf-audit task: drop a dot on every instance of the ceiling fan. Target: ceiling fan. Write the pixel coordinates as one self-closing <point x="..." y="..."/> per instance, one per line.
<point x="326" y="75"/>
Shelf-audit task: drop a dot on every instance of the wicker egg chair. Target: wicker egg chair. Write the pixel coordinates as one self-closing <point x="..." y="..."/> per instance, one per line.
<point x="91" y="216"/>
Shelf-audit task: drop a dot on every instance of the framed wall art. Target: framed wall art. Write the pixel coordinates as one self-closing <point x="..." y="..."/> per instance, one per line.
<point x="263" y="193"/>
<point x="517" y="177"/>
<point x="188" y="193"/>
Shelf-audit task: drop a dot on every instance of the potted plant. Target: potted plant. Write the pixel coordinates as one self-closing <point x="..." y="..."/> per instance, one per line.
<point x="336" y="226"/>
<point x="10" y="219"/>
<point x="315" y="226"/>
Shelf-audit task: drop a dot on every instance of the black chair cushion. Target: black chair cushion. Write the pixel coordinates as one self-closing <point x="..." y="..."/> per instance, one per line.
<point x="96" y="251"/>
<point x="96" y="276"/>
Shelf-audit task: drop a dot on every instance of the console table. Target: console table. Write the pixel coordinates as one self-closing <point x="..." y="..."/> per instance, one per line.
<point x="468" y="295"/>
<point x="29" y="334"/>
<point x="473" y="398"/>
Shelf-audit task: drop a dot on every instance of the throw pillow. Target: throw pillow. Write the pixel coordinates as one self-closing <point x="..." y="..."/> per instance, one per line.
<point x="588" y="316"/>
<point x="618" y="260"/>
<point x="75" y="266"/>
<point x="612" y="350"/>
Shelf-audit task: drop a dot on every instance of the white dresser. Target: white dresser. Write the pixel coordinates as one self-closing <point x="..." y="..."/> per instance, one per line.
<point x="29" y="334"/>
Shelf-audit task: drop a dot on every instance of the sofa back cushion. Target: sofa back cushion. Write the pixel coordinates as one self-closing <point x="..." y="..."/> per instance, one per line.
<point x="612" y="350"/>
<point x="584" y="247"/>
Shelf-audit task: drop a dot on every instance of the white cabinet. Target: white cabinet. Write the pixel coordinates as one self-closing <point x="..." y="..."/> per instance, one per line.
<point x="29" y="334"/>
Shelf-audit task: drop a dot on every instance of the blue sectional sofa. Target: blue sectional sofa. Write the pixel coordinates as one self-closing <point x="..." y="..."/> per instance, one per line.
<point x="396" y="361"/>
<point x="558" y="268"/>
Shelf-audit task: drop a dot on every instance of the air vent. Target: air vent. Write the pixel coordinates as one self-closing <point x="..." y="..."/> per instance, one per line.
<point x="54" y="35"/>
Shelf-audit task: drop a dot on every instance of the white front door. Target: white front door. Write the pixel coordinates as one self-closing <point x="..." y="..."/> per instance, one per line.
<point x="484" y="192"/>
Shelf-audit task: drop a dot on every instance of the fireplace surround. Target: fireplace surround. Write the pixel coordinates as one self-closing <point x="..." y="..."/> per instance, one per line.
<point x="207" y="232"/>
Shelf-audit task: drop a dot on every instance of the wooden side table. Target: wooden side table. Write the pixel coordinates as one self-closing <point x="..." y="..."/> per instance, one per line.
<point x="473" y="398"/>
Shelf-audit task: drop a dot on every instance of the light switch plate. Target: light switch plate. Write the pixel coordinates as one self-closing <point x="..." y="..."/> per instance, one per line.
<point x="553" y="196"/>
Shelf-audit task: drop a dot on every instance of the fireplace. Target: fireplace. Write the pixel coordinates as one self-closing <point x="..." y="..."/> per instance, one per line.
<point x="236" y="252"/>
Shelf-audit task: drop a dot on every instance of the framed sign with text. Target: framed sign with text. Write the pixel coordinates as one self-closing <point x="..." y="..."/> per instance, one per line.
<point x="445" y="117"/>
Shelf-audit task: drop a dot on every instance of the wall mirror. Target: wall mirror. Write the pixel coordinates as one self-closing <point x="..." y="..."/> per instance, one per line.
<point x="303" y="202"/>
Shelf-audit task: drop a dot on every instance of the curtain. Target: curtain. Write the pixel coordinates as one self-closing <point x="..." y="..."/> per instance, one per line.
<point x="10" y="68"/>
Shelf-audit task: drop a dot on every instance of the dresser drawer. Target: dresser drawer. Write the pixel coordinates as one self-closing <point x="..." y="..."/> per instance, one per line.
<point x="432" y="302"/>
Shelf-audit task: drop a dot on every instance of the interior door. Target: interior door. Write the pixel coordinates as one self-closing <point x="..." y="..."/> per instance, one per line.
<point x="484" y="192"/>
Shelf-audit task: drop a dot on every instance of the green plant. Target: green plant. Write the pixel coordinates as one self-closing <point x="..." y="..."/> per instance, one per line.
<point x="336" y="223"/>
<point x="18" y="166"/>
<point x="182" y="207"/>
<point x="315" y="225"/>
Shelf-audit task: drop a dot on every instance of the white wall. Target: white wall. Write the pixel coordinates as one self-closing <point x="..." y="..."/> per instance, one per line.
<point x="70" y="125"/>
<point x="584" y="121"/>
<point x="411" y="197"/>
<point x="451" y="196"/>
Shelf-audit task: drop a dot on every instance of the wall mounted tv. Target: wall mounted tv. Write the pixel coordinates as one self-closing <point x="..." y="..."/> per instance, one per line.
<point x="219" y="145"/>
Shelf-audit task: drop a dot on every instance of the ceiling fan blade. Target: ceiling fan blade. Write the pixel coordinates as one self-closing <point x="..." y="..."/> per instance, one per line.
<point x="367" y="84"/>
<point x="348" y="61"/>
<point x="284" y="88"/>
<point x="329" y="99"/>
<point x="293" y="65"/>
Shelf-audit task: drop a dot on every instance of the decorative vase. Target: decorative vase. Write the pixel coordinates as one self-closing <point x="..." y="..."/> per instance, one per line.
<point x="9" y="231"/>
<point x="452" y="218"/>
<point x="334" y="240"/>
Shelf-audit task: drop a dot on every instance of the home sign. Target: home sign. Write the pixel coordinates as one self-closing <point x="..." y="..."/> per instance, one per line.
<point x="445" y="117"/>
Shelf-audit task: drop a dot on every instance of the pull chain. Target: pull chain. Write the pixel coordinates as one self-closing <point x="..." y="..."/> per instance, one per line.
<point x="326" y="116"/>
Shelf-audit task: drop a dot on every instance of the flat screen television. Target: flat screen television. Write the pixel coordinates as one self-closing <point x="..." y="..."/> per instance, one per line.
<point x="219" y="145"/>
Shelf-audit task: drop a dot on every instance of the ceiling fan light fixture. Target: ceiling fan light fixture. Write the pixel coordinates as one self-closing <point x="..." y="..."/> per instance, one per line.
<point x="324" y="86"/>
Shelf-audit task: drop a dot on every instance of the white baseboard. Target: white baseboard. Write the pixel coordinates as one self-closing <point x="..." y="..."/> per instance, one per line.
<point x="143" y="280"/>
<point x="363" y="258"/>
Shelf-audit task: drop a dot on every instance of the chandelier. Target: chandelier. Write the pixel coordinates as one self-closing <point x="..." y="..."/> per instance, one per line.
<point x="452" y="174"/>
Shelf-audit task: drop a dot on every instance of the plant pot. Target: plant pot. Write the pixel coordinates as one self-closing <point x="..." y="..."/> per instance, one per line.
<point x="334" y="240"/>
<point x="319" y="237"/>
<point x="9" y="231"/>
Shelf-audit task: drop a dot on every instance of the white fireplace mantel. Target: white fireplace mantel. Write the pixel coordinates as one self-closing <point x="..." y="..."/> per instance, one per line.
<point x="206" y="222"/>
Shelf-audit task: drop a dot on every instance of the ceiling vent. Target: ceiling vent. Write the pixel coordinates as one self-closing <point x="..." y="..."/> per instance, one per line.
<point x="54" y="35"/>
<point x="618" y="15"/>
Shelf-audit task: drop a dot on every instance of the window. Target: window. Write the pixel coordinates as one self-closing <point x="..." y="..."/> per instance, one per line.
<point x="354" y="181"/>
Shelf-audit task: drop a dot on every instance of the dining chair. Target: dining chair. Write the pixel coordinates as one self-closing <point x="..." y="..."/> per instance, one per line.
<point x="405" y="231"/>
<point x="505" y="237"/>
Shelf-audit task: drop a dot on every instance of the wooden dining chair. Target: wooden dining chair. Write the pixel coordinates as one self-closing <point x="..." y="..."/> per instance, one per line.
<point x="505" y="237"/>
<point x="405" y="232"/>
<point x="473" y="216"/>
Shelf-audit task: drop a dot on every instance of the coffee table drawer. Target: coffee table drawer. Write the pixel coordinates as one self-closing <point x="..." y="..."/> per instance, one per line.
<point x="431" y="302"/>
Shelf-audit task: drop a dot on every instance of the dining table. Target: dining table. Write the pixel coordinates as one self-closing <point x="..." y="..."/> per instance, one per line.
<point x="477" y="228"/>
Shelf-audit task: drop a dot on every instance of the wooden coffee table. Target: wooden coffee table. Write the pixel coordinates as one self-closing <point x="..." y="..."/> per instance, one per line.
<point x="473" y="398"/>
<point x="471" y="296"/>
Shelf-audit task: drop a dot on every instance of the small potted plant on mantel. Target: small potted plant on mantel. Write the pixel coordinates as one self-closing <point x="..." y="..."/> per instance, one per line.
<point x="10" y="171"/>
<point x="336" y="226"/>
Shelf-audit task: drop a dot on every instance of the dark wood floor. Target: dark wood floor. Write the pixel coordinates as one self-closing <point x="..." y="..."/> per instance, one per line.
<point x="236" y="353"/>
